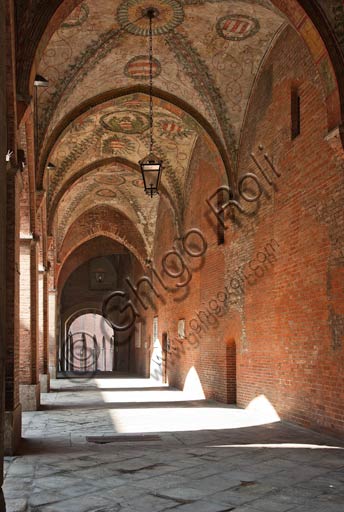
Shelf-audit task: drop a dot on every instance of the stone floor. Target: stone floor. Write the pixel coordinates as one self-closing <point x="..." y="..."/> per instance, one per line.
<point x="161" y="449"/>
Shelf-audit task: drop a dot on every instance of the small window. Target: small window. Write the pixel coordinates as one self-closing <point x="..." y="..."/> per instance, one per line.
<point x="181" y="328"/>
<point x="295" y="113"/>
<point x="155" y="330"/>
<point x="220" y="221"/>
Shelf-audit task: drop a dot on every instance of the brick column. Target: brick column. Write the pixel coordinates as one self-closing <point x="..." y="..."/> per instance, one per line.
<point x="3" y="149"/>
<point x="13" y="185"/>
<point x="12" y="405"/>
<point x="52" y="314"/>
<point x="29" y="380"/>
<point x="44" y="376"/>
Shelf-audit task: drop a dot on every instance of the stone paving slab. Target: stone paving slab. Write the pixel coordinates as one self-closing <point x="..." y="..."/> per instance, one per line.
<point x="272" y="467"/>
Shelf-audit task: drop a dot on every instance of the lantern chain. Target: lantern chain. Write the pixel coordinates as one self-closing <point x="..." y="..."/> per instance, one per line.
<point x="151" y="14"/>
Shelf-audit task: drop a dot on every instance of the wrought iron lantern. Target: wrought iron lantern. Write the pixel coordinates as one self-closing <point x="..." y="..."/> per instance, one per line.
<point x="151" y="165"/>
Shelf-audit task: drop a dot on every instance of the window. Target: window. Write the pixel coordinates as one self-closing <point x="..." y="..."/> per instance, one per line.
<point x="181" y="328"/>
<point x="295" y="113"/>
<point x="220" y="220"/>
<point x="155" y="329"/>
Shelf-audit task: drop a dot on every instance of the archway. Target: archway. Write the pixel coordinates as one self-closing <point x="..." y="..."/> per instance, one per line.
<point x="89" y="345"/>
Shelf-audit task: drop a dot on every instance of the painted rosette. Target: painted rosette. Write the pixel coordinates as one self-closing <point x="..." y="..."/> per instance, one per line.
<point x="130" y="16"/>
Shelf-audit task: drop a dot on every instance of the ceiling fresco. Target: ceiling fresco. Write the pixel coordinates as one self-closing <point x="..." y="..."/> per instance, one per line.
<point x="117" y="186"/>
<point x="120" y="129"/>
<point x="206" y="55"/>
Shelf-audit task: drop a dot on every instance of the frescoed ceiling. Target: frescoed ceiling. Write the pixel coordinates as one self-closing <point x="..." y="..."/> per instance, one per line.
<point x="117" y="186"/>
<point x="206" y="56"/>
<point x="120" y="128"/>
<point x="207" y="53"/>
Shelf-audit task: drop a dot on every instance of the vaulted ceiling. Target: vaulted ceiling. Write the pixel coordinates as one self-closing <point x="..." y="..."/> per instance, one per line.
<point x="93" y="116"/>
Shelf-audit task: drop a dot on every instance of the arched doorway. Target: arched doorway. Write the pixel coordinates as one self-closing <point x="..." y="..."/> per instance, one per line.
<point x="89" y="344"/>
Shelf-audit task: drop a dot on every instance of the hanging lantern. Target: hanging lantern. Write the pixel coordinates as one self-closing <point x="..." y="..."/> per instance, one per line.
<point x="151" y="165"/>
<point x="151" y="172"/>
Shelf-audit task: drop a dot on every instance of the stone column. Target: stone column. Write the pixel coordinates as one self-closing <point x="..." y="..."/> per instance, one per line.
<point x="29" y="381"/>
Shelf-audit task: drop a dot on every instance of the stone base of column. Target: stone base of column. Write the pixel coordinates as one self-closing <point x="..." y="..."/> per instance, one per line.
<point x="52" y="372"/>
<point x="44" y="381"/>
<point x="29" y="395"/>
<point x="12" y="430"/>
<point x="2" y="502"/>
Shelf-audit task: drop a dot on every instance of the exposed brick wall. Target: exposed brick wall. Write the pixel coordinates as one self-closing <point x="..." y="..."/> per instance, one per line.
<point x="294" y="353"/>
<point x="41" y="351"/>
<point x="29" y="353"/>
<point x="12" y="293"/>
<point x="103" y="219"/>
<point x="3" y="149"/>
<point x="11" y="216"/>
<point x="286" y="328"/>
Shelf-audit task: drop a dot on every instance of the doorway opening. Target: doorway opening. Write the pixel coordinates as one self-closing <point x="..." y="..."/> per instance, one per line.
<point x="90" y="344"/>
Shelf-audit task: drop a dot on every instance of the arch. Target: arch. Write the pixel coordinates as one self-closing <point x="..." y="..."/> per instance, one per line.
<point x="93" y="336"/>
<point x="95" y="247"/>
<point x="81" y="310"/>
<point x="119" y="93"/>
<point x="107" y="234"/>
<point x="298" y="12"/>
<point x="86" y="227"/>
<point x="87" y="170"/>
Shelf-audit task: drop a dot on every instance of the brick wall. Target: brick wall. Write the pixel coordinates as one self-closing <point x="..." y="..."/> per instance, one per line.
<point x="293" y="317"/>
<point x="3" y="149"/>
<point x="285" y="322"/>
<point x="98" y="220"/>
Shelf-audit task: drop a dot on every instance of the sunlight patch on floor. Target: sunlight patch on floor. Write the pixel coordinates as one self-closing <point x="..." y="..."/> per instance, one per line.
<point x="278" y="445"/>
<point x="128" y="383"/>
<point x="176" y="419"/>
